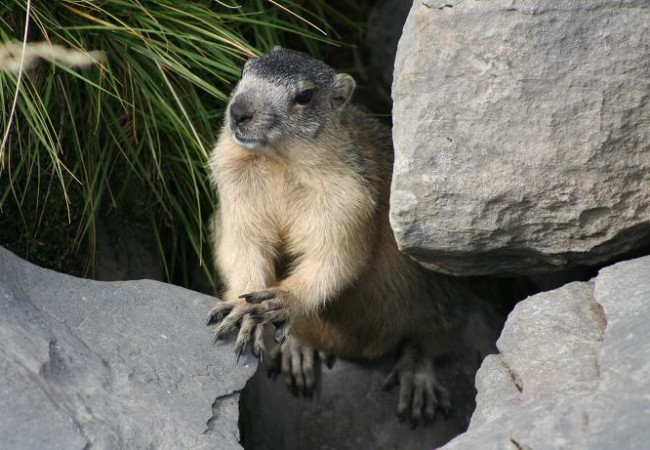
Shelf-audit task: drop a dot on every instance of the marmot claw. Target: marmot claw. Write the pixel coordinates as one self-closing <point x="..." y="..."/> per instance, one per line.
<point x="420" y="393"/>
<point x="250" y="313"/>
<point x="299" y="366"/>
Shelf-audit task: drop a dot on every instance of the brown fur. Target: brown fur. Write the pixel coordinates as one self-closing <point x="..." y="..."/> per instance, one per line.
<point x="321" y="208"/>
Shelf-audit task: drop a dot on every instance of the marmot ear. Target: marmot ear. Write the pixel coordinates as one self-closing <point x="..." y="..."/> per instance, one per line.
<point x="344" y="86"/>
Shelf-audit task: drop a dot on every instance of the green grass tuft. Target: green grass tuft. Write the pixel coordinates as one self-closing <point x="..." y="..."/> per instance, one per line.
<point x="134" y="131"/>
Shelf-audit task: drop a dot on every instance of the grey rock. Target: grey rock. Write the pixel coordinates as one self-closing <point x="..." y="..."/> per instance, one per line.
<point x="573" y="370"/>
<point x="352" y="412"/>
<point x="522" y="135"/>
<point x="120" y="365"/>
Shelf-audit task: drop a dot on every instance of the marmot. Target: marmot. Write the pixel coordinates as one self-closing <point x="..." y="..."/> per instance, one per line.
<point x="302" y="234"/>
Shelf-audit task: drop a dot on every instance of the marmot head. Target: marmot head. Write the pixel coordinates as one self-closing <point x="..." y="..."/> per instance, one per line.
<point x="285" y="96"/>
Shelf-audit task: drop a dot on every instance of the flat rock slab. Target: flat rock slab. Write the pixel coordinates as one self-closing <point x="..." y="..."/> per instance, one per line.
<point x="522" y="134"/>
<point x="573" y="370"/>
<point x="128" y="365"/>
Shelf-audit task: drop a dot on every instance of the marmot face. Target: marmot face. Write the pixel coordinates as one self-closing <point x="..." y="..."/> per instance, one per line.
<point x="284" y="97"/>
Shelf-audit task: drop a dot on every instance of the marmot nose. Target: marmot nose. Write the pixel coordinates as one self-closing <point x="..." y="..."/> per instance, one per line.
<point x="240" y="113"/>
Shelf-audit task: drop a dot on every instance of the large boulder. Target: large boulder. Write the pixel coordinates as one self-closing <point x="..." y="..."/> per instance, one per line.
<point x="522" y="135"/>
<point x="573" y="369"/>
<point x="128" y="365"/>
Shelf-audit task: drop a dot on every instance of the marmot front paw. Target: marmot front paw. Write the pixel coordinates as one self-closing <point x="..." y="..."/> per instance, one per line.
<point x="250" y="313"/>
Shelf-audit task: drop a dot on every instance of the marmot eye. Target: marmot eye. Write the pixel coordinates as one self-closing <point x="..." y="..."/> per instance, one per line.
<point x="303" y="97"/>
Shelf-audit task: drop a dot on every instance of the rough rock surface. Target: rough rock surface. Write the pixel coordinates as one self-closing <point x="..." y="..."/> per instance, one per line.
<point x="128" y="365"/>
<point x="353" y="412"/>
<point x="573" y="370"/>
<point x="522" y="134"/>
